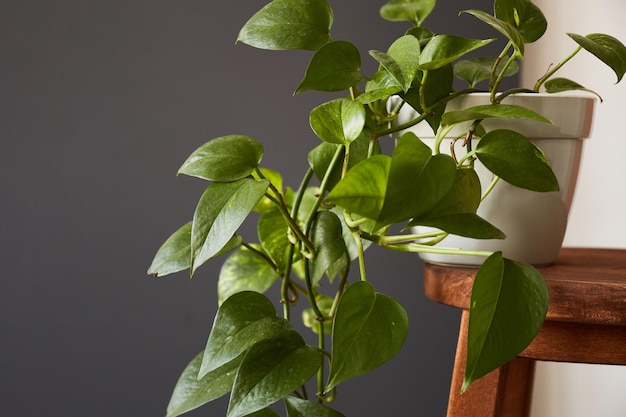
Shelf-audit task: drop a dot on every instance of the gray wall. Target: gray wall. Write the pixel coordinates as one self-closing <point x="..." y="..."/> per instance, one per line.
<point x="100" y="102"/>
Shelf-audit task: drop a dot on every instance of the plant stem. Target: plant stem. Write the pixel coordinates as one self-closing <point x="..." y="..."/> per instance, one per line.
<point x="494" y="181"/>
<point x="419" y="248"/>
<point x="550" y="73"/>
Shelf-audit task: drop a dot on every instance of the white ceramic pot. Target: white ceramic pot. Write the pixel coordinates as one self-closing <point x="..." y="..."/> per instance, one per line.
<point x="533" y="222"/>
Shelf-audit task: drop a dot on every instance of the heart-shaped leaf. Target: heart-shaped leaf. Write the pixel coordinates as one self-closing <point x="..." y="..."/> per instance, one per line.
<point x="407" y="10"/>
<point x="504" y="28"/>
<point x="245" y="270"/>
<point x="334" y="67"/>
<point x="330" y="249"/>
<point x="221" y="210"/>
<point x="515" y="159"/>
<point x="270" y="370"/>
<point x="175" y="253"/>
<point x="368" y="330"/>
<point x="338" y="121"/>
<point x="558" y="85"/>
<point x="297" y="407"/>
<point x="606" y="48"/>
<point x="488" y="111"/>
<point x="479" y="69"/>
<point x="444" y="49"/>
<point x="242" y="320"/>
<point x="229" y="158"/>
<point x="289" y="24"/>
<point x="191" y="392"/>
<point x="524" y="15"/>
<point x="508" y="305"/>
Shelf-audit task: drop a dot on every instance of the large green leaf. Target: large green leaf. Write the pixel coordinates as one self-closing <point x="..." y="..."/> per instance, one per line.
<point x="444" y="49"/>
<point x="606" y="48"/>
<point x="297" y="407"/>
<point x="334" y="67"/>
<point x="417" y="180"/>
<point x="192" y="392"/>
<point x="515" y="159"/>
<point x="503" y="27"/>
<point x="508" y="305"/>
<point x="175" y="253"/>
<point x="241" y="321"/>
<point x="524" y="15"/>
<point x="289" y="24"/>
<point x="245" y="270"/>
<point x="479" y="69"/>
<point x="229" y="158"/>
<point x="270" y="370"/>
<point x="339" y="121"/>
<point x="401" y="60"/>
<point x="362" y="190"/>
<point x="330" y="249"/>
<point x="221" y="210"/>
<point x="407" y="10"/>
<point x="488" y="111"/>
<point x="368" y="330"/>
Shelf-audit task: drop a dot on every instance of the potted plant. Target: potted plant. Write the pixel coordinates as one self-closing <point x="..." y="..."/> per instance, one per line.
<point x="353" y="196"/>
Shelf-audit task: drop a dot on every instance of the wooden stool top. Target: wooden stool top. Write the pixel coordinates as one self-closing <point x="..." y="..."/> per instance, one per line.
<point x="586" y="286"/>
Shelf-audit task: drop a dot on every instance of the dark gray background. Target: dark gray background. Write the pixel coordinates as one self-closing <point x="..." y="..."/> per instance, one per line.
<point x="100" y="103"/>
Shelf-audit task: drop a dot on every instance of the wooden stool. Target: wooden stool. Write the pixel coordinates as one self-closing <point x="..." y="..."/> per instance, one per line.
<point x="586" y="323"/>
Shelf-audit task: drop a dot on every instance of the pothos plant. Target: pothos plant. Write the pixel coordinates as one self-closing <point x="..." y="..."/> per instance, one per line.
<point x="353" y="196"/>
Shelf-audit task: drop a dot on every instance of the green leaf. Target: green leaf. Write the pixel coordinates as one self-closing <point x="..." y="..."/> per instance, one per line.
<point x="334" y="67"/>
<point x="479" y="69"/>
<point x="264" y="412"/>
<point x="606" y="48"/>
<point x="369" y="329"/>
<point x="464" y="224"/>
<point x="437" y="86"/>
<point x="488" y="111"/>
<point x="229" y="158"/>
<point x="289" y="24"/>
<point x="444" y="49"/>
<point x="221" y="210"/>
<point x="515" y="159"/>
<point x="504" y="28"/>
<point x="330" y="248"/>
<point x="245" y="270"/>
<point x="276" y="179"/>
<point x="175" y="253"/>
<point x="320" y="159"/>
<point x="191" y="392"/>
<point x="380" y="87"/>
<point x="407" y="10"/>
<point x="401" y="60"/>
<point x="524" y="15"/>
<point x="507" y="308"/>
<point x="241" y="321"/>
<point x="362" y="190"/>
<point x="270" y="370"/>
<point x="558" y="85"/>
<point x="297" y="407"/>
<point x="272" y="230"/>
<point x="339" y="121"/>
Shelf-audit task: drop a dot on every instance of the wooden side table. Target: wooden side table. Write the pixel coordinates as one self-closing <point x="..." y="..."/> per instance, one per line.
<point x="586" y="323"/>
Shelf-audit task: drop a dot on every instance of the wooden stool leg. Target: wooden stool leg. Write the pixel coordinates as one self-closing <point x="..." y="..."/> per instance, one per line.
<point x="505" y="392"/>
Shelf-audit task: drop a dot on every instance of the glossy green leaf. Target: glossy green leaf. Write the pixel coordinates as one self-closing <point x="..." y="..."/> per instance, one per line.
<point x="479" y="69"/>
<point x="507" y="308"/>
<point x="444" y="49"/>
<point x="245" y="270"/>
<point x="221" y="210"/>
<point x="229" y="158"/>
<point x="175" y="253"/>
<point x="297" y="407"/>
<point x="320" y="159"/>
<point x="264" y="412"/>
<point x="334" y="67"/>
<point x="558" y="85"/>
<point x="330" y="249"/>
<point x="401" y="60"/>
<point x="504" y="28"/>
<point x="606" y="48"/>
<point x="191" y="392"/>
<point x="417" y="180"/>
<point x="515" y="159"/>
<point x="270" y="370"/>
<point x="392" y="67"/>
<point x="369" y="329"/>
<point x="362" y="190"/>
<point x="407" y="10"/>
<point x="272" y="230"/>
<point x="241" y="321"/>
<point x="289" y="24"/>
<point x="339" y="121"/>
<point x="464" y="224"/>
<point x="524" y="15"/>
<point x="488" y="111"/>
<point x="379" y="87"/>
